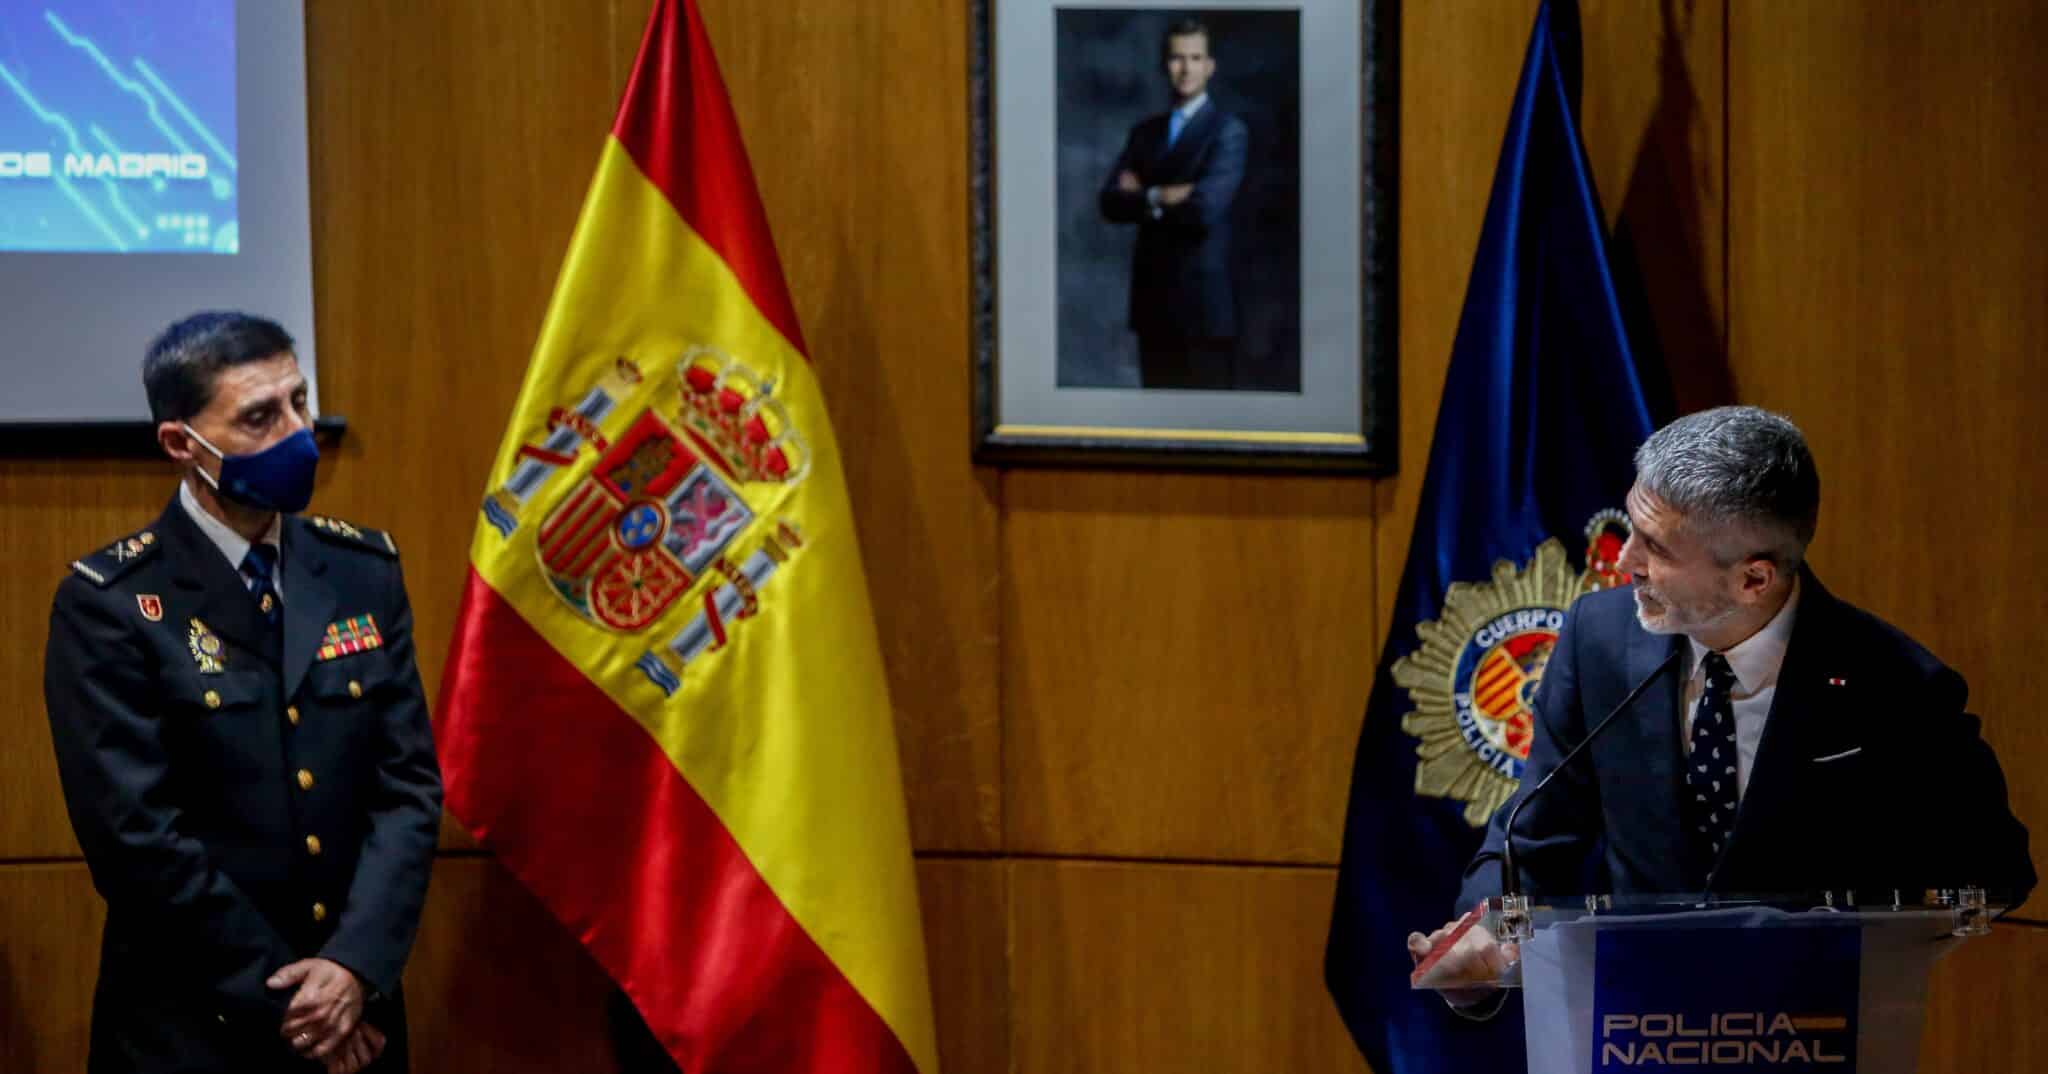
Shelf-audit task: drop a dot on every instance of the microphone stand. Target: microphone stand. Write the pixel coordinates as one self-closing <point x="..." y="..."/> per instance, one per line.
<point x="1515" y="925"/>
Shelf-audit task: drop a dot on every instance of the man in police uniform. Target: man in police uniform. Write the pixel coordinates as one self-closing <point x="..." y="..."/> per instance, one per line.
<point x="243" y="743"/>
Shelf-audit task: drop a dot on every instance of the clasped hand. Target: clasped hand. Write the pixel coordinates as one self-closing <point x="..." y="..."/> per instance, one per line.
<point x="324" y="1019"/>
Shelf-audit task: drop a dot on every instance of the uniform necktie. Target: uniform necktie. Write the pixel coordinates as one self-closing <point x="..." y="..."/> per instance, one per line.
<point x="259" y="572"/>
<point x="1710" y="773"/>
<point x="1175" y="120"/>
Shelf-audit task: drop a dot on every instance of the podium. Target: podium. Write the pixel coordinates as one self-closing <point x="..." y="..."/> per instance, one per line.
<point x="1748" y="984"/>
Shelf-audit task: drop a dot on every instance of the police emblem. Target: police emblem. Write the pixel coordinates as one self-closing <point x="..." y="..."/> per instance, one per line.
<point x="1473" y="681"/>
<point x="207" y="650"/>
<point x="673" y="493"/>
<point x="151" y="606"/>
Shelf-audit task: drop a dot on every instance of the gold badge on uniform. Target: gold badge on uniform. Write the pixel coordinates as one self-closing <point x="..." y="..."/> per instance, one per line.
<point x="152" y="606"/>
<point x="207" y="650"/>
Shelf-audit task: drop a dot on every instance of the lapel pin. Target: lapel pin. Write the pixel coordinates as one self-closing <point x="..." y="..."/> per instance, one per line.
<point x="152" y="606"/>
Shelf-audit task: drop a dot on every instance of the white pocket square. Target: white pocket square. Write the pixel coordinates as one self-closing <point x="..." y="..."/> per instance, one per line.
<point x="1838" y="756"/>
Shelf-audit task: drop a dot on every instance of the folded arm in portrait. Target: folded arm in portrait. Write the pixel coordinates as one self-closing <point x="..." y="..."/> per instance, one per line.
<point x="1188" y="188"/>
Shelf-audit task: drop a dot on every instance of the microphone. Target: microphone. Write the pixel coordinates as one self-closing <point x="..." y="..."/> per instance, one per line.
<point x="1510" y="880"/>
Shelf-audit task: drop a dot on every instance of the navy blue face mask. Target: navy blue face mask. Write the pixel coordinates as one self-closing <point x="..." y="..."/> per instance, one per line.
<point x="278" y="478"/>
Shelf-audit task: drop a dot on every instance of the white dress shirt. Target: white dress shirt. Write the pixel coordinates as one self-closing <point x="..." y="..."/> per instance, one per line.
<point x="231" y="544"/>
<point x="1755" y="662"/>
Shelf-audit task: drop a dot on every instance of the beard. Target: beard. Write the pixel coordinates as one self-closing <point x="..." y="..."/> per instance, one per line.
<point x="1660" y="613"/>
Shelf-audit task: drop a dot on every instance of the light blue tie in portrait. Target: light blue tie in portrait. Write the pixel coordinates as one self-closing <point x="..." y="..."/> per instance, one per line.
<point x="1175" y="120"/>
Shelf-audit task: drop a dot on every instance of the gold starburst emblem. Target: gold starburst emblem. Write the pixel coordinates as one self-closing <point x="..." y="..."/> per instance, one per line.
<point x="1473" y="681"/>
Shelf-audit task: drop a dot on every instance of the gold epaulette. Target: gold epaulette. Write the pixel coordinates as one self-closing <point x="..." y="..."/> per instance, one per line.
<point x="352" y="535"/>
<point x="103" y="567"/>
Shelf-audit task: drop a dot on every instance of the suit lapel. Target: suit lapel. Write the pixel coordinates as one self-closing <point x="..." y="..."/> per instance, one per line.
<point x="224" y="604"/>
<point x="1654" y="749"/>
<point x="1174" y="159"/>
<point x="1796" y="714"/>
<point x="308" y="605"/>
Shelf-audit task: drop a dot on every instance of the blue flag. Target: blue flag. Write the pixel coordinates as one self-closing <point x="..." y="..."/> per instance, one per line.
<point x="1521" y="512"/>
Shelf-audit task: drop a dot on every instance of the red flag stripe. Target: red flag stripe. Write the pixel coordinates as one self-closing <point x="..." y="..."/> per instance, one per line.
<point x="677" y="124"/>
<point x="623" y="850"/>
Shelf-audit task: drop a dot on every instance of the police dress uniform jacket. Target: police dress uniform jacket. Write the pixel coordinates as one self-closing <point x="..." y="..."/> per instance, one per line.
<point x="246" y="795"/>
<point x="1870" y="775"/>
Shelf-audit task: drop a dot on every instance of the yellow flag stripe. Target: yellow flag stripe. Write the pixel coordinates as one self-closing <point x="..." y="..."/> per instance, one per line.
<point x="786" y="731"/>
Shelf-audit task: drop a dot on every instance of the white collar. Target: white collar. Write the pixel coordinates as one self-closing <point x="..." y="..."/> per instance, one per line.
<point x="1188" y="110"/>
<point x="1756" y="660"/>
<point x="231" y="544"/>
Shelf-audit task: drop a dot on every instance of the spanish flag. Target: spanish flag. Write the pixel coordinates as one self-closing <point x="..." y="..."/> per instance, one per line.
<point x="664" y="709"/>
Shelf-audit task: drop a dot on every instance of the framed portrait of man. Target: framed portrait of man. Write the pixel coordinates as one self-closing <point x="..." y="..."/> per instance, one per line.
<point x="1184" y="233"/>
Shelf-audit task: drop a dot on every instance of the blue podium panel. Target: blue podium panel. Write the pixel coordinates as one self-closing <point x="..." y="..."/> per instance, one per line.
<point x="1739" y="1000"/>
<point x="1730" y="989"/>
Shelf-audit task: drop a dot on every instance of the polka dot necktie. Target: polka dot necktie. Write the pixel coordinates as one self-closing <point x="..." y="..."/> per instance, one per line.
<point x="1710" y="775"/>
<point x="259" y="571"/>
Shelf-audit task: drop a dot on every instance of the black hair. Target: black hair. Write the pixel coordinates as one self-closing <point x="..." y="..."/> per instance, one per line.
<point x="1186" y="27"/>
<point x="180" y="368"/>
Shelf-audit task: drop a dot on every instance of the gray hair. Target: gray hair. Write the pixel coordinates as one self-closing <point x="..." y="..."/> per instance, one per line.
<point x="1736" y="468"/>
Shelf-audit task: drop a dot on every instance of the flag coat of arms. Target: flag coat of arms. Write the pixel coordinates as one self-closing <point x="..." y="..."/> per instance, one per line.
<point x="664" y="707"/>
<point x="1541" y="414"/>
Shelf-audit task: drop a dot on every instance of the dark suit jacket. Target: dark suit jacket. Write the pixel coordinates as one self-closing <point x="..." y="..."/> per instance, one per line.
<point x="1180" y="271"/>
<point x="194" y="793"/>
<point x="1870" y="775"/>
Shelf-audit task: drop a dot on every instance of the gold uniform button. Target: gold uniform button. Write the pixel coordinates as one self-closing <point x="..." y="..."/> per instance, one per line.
<point x="212" y="699"/>
<point x="355" y="689"/>
<point x="313" y="845"/>
<point x="305" y="780"/>
<point x="319" y="911"/>
<point x="292" y="713"/>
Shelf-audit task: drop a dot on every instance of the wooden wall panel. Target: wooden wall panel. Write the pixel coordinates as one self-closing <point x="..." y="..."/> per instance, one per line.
<point x="50" y="922"/>
<point x="1458" y="68"/>
<point x="967" y="939"/>
<point x="1149" y="967"/>
<point x="1983" y="1005"/>
<point x="443" y="201"/>
<point x="1185" y="662"/>
<point x="50" y="513"/>
<point x="857" y="125"/>
<point x="1890" y="293"/>
<point x="496" y="986"/>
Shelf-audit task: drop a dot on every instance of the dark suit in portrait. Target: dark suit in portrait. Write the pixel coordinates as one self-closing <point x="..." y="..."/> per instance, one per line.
<point x="1870" y="774"/>
<point x="1183" y="305"/>
<point x="248" y="793"/>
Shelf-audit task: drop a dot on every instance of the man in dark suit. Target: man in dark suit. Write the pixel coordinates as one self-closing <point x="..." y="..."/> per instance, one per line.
<point x="243" y="742"/>
<point x="1787" y="741"/>
<point x="1176" y="178"/>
